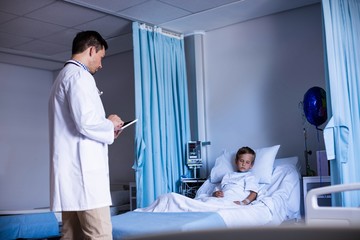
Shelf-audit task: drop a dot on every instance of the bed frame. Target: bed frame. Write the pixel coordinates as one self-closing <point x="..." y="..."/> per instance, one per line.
<point x="272" y="233"/>
<point x="333" y="216"/>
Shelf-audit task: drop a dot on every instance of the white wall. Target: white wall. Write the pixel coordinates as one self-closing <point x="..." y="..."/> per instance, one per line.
<point x="256" y="73"/>
<point x="24" y="151"/>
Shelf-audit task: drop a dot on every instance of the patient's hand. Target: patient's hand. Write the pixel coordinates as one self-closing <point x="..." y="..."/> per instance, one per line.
<point x="218" y="194"/>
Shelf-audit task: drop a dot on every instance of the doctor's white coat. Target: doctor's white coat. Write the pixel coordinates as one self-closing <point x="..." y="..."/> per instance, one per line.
<point x="79" y="138"/>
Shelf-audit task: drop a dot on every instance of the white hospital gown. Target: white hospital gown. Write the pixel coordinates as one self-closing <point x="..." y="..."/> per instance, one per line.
<point x="236" y="186"/>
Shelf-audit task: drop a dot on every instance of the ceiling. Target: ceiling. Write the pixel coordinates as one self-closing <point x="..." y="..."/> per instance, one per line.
<point x="39" y="33"/>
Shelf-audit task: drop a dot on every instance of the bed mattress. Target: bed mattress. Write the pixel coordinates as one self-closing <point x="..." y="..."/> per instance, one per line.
<point x="144" y="223"/>
<point x="29" y="226"/>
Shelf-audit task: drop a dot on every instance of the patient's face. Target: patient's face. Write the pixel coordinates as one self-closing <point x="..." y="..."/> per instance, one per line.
<point x="245" y="162"/>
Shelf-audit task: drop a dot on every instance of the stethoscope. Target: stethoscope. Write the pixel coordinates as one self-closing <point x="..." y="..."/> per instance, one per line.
<point x="79" y="64"/>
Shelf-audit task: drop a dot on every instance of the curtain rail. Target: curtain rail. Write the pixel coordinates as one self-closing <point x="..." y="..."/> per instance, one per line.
<point x="161" y="30"/>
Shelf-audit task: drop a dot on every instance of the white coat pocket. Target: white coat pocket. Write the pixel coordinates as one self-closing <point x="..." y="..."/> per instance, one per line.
<point x="92" y="155"/>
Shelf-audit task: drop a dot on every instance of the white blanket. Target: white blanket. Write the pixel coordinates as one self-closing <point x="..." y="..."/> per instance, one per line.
<point x="273" y="202"/>
<point x="233" y="215"/>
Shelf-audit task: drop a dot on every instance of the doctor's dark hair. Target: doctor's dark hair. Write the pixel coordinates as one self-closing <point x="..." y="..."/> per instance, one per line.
<point x="86" y="39"/>
<point x="245" y="150"/>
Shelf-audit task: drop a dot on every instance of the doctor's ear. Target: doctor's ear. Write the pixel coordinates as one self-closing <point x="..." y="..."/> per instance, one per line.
<point x="92" y="51"/>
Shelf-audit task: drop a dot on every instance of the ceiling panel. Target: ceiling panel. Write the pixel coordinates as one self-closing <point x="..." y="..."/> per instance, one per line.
<point x="10" y="41"/>
<point x="29" y="28"/>
<point x="198" y="5"/>
<point x="21" y="7"/>
<point x="109" y="5"/>
<point x="215" y="18"/>
<point x="64" y="37"/>
<point x="4" y="17"/>
<point x="43" y="30"/>
<point x="65" y="14"/>
<point x="32" y="61"/>
<point x="115" y="26"/>
<point x="154" y="12"/>
<point x="41" y="47"/>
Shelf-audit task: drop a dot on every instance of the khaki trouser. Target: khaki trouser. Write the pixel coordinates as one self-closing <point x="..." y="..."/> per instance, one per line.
<point x="90" y="224"/>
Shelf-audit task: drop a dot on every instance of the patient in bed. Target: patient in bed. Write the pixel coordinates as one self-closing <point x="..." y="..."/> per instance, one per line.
<point x="237" y="188"/>
<point x="241" y="187"/>
<point x="271" y="202"/>
<point x="231" y="201"/>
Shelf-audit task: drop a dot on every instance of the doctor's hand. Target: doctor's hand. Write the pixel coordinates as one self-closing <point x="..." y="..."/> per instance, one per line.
<point x="117" y="133"/>
<point x="118" y="123"/>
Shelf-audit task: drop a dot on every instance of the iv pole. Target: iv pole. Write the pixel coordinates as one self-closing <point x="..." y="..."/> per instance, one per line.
<point x="309" y="171"/>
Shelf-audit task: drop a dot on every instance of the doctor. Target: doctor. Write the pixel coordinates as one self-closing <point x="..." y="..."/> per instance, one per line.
<point x="79" y="137"/>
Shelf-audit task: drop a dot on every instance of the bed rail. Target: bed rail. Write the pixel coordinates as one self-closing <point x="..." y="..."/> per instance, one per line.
<point x="325" y="216"/>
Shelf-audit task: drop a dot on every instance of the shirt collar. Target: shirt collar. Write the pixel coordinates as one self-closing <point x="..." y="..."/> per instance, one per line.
<point x="78" y="64"/>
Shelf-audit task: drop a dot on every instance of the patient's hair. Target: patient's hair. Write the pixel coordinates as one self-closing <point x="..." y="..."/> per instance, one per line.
<point x="245" y="150"/>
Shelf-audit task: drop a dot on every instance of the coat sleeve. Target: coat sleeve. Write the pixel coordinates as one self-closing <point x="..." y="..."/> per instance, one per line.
<point x="87" y="109"/>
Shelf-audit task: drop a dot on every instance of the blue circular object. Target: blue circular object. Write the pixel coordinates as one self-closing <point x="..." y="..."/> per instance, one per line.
<point x="314" y="105"/>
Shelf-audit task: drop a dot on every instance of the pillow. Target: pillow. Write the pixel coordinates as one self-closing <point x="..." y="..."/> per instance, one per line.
<point x="223" y="164"/>
<point x="264" y="163"/>
<point x="262" y="168"/>
<point x="293" y="161"/>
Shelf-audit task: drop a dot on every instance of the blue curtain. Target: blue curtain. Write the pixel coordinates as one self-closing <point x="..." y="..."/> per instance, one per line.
<point x="342" y="133"/>
<point x="161" y="103"/>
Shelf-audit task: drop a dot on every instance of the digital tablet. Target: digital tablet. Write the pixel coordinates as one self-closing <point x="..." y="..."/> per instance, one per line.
<point x="126" y="124"/>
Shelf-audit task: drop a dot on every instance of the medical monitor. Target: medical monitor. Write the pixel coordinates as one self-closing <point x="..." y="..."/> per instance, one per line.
<point x="194" y="154"/>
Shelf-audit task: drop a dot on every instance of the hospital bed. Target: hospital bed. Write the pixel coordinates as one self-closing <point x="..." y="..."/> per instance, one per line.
<point x="43" y="224"/>
<point x="31" y="224"/>
<point x="281" y="195"/>
<point x="330" y="223"/>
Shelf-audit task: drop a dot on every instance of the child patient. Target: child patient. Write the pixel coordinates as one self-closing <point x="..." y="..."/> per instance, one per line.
<point x="241" y="187"/>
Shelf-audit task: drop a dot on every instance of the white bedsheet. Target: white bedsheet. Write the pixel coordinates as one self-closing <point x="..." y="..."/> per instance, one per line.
<point x="233" y="215"/>
<point x="284" y="193"/>
<point x="277" y="202"/>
